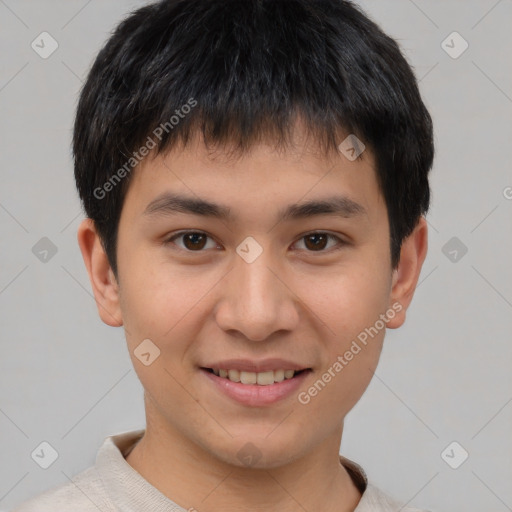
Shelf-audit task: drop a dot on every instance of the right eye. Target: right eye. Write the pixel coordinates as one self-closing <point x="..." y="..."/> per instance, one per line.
<point x="193" y="241"/>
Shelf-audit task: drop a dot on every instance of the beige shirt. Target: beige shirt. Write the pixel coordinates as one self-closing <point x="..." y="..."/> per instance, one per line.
<point x="113" y="485"/>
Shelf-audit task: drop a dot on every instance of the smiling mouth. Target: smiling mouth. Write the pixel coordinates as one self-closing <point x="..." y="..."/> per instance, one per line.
<point x="260" y="378"/>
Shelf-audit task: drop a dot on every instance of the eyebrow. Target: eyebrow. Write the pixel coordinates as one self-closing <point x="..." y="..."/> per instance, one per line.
<point x="170" y="204"/>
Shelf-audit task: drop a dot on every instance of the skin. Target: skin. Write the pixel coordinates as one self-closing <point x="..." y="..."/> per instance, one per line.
<point x="293" y="302"/>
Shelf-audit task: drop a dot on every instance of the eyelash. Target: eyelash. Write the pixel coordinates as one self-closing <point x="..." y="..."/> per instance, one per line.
<point x="183" y="233"/>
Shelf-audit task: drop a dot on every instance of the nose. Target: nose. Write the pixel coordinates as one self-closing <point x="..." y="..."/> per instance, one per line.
<point x="256" y="300"/>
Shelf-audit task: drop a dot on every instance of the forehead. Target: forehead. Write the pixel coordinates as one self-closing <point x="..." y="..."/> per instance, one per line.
<point x="225" y="182"/>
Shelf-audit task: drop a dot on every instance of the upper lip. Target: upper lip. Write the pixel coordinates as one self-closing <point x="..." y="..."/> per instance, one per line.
<point x="263" y="365"/>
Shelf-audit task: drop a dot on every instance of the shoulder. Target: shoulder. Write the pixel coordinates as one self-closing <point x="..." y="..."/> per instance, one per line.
<point x="85" y="493"/>
<point x="375" y="500"/>
<point x="372" y="499"/>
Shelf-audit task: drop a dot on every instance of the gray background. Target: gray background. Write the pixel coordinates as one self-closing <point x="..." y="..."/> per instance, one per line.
<point x="445" y="376"/>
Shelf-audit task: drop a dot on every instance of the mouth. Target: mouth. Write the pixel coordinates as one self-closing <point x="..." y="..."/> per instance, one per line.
<point x="256" y="389"/>
<point x="266" y="378"/>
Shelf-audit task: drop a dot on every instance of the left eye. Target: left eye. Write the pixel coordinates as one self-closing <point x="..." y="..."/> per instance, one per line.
<point x="195" y="241"/>
<point x="318" y="240"/>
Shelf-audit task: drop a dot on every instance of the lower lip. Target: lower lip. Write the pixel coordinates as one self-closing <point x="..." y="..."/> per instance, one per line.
<point x="254" y="394"/>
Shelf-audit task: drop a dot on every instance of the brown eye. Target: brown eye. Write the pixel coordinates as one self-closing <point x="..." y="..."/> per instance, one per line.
<point x="317" y="242"/>
<point x="193" y="241"/>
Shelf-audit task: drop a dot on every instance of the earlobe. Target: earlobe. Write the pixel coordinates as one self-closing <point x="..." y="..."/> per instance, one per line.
<point x="406" y="275"/>
<point x="103" y="281"/>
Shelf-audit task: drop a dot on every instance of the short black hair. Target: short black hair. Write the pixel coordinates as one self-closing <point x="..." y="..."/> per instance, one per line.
<point x="243" y="71"/>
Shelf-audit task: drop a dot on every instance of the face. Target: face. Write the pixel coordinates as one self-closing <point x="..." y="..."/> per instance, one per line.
<point x="252" y="290"/>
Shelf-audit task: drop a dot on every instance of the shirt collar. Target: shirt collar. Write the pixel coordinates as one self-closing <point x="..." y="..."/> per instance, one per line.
<point x="129" y="491"/>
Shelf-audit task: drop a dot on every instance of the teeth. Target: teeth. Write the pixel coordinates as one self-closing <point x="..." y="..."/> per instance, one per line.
<point x="279" y="375"/>
<point x="261" y="378"/>
<point x="265" y="378"/>
<point x="234" y="375"/>
<point x="248" y="377"/>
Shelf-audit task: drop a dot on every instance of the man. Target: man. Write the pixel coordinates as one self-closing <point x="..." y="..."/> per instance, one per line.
<point x="255" y="176"/>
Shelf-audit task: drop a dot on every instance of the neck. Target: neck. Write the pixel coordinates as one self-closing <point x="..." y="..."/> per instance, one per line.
<point x="195" y="479"/>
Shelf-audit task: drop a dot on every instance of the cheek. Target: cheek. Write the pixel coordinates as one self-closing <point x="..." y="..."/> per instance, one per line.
<point x="349" y="301"/>
<point x="350" y="308"/>
<point x="164" y="304"/>
<point x="152" y="299"/>
<point x="158" y="309"/>
<point x="351" y="305"/>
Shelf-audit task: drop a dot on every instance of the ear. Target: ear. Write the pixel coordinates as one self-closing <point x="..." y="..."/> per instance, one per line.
<point x="104" y="284"/>
<point x="405" y="276"/>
